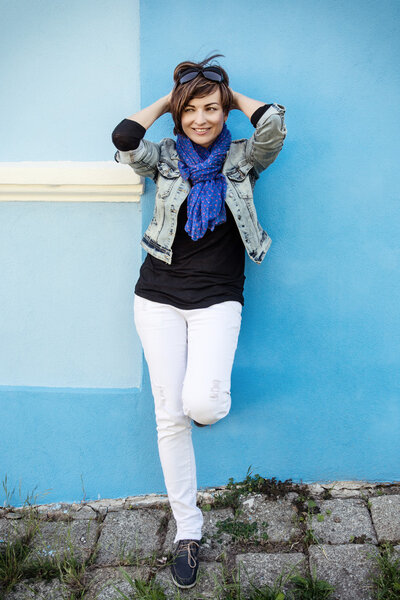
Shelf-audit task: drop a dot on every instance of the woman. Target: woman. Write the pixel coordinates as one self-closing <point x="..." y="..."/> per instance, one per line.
<point x="189" y="296"/>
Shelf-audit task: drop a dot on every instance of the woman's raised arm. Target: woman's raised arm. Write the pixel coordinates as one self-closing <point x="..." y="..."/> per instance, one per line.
<point x="148" y="115"/>
<point x="129" y="132"/>
<point x="141" y="155"/>
<point x="245" y="104"/>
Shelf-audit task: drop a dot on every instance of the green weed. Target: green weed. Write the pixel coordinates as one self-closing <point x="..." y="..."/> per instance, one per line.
<point x="14" y="551"/>
<point x="387" y="581"/>
<point x="271" y="488"/>
<point x="19" y="560"/>
<point x="30" y="499"/>
<point x="143" y="590"/>
<point x="310" y="537"/>
<point x="239" y="530"/>
<point x="310" y="588"/>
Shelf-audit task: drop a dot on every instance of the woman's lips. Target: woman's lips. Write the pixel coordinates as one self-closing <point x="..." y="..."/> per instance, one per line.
<point x="201" y="131"/>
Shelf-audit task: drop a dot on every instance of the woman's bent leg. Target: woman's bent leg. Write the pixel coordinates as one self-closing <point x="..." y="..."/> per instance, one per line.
<point x="163" y="332"/>
<point x="212" y="340"/>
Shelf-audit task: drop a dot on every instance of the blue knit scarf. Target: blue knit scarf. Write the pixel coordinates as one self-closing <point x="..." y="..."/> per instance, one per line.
<point x="206" y="200"/>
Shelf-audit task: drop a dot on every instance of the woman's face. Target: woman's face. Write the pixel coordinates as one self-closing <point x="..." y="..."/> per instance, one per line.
<point x="203" y="119"/>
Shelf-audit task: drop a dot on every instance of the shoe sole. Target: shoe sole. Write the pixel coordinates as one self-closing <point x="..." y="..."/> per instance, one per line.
<point x="179" y="585"/>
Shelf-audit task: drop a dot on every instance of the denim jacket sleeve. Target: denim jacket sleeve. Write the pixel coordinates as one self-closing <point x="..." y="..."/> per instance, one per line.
<point x="266" y="142"/>
<point x="143" y="160"/>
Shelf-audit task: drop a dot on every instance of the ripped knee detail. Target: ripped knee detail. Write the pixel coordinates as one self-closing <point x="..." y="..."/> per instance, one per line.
<point x="159" y="392"/>
<point x="215" y="389"/>
<point x="208" y="406"/>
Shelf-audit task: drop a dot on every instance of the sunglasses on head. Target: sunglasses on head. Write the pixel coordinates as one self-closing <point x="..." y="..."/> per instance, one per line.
<point x="211" y="73"/>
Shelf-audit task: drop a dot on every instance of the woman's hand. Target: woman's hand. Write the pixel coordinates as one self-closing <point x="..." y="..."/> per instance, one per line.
<point x="234" y="104"/>
<point x="167" y="99"/>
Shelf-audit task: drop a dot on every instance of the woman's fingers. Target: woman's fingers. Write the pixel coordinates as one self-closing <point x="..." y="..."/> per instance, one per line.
<point x="234" y="94"/>
<point x="168" y="102"/>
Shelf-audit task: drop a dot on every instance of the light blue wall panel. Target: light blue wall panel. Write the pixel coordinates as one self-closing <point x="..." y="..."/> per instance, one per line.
<point x="69" y="70"/>
<point x="68" y="273"/>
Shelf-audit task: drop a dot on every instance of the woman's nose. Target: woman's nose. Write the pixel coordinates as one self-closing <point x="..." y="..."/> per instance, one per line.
<point x="200" y="117"/>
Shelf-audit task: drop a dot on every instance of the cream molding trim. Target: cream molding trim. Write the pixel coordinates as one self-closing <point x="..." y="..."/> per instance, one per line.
<point x="69" y="181"/>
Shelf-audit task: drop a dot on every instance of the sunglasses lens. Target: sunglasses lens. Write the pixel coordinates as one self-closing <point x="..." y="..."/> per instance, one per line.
<point x="213" y="75"/>
<point x="188" y="76"/>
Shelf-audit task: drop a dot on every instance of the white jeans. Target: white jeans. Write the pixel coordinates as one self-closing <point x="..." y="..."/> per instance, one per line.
<point x="190" y="356"/>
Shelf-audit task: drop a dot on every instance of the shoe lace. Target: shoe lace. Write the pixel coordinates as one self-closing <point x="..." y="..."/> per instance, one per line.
<point x="187" y="545"/>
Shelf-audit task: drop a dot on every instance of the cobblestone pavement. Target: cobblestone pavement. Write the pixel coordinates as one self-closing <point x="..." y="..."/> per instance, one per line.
<point x="334" y="530"/>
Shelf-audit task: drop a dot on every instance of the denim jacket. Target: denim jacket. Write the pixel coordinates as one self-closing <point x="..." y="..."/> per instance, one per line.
<point x="244" y="162"/>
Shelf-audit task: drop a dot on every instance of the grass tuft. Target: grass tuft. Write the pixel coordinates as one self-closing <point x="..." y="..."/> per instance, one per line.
<point x="271" y="488"/>
<point x="30" y="499"/>
<point x="143" y="590"/>
<point x="18" y="561"/>
<point x="310" y="588"/>
<point x="387" y="581"/>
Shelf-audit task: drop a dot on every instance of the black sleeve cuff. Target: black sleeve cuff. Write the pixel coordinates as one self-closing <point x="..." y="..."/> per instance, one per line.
<point x="257" y="114"/>
<point x="127" y="135"/>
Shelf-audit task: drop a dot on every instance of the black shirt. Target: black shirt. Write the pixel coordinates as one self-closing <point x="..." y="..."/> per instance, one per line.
<point x="203" y="272"/>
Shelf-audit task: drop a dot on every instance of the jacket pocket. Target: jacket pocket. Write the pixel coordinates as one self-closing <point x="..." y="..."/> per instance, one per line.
<point x="167" y="170"/>
<point x="166" y="179"/>
<point x="240" y="179"/>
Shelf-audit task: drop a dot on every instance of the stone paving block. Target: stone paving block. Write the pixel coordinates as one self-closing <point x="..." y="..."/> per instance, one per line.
<point x="66" y="512"/>
<point x="348" y="489"/>
<point x="10" y="530"/>
<point x="102" y="582"/>
<point x="209" y="576"/>
<point x="60" y="539"/>
<point x="50" y="510"/>
<point x="385" y="511"/>
<point x="345" y="493"/>
<point x="211" y="548"/>
<point x="107" y="505"/>
<point x="129" y="532"/>
<point x="347" y="567"/>
<point x="214" y="541"/>
<point x="206" y="496"/>
<point x="262" y="569"/>
<point x="41" y="590"/>
<point x="150" y="500"/>
<point x="279" y="514"/>
<point x="345" y="520"/>
<point x="14" y="514"/>
<point x="79" y="511"/>
<point x="82" y="512"/>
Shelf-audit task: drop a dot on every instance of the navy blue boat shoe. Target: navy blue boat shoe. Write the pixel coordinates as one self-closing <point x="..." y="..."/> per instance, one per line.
<point x="185" y="563"/>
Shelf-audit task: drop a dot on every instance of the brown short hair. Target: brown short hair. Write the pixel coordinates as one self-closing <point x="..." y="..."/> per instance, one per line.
<point x="197" y="88"/>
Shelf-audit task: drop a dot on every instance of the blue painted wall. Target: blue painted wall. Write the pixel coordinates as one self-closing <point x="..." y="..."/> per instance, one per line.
<point x="315" y="392"/>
